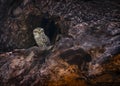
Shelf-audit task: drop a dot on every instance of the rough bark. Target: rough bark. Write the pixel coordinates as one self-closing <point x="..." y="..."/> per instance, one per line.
<point x="85" y="35"/>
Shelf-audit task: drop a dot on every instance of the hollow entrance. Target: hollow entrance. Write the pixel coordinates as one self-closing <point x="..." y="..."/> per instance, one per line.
<point x="45" y="22"/>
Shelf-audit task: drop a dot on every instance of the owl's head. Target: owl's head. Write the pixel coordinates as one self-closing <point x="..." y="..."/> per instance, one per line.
<point x="38" y="31"/>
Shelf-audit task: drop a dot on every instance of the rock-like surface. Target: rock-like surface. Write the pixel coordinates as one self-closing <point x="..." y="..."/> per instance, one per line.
<point x="85" y="35"/>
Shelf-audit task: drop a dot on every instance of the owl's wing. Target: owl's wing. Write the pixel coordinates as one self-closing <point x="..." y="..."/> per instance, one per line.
<point x="45" y="39"/>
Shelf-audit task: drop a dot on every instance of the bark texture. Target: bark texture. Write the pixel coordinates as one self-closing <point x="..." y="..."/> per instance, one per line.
<point x="85" y="35"/>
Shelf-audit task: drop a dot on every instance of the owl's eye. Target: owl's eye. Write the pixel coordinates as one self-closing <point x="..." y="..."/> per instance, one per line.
<point x="42" y="30"/>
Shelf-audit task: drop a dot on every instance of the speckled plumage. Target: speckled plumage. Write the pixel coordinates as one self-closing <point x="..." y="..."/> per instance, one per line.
<point x="41" y="39"/>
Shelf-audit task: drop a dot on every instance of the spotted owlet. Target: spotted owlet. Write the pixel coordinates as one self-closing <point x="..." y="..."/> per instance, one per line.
<point x="41" y="39"/>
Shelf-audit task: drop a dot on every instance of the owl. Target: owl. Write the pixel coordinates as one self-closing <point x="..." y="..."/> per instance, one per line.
<point x="41" y="39"/>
